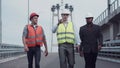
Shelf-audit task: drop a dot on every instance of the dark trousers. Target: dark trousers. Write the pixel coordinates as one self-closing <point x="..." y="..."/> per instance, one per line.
<point x="36" y="53"/>
<point x="90" y="60"/>
<point x="66" y="55"/>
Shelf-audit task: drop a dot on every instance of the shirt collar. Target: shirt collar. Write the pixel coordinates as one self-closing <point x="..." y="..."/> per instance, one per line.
<point x="34" y="25"/>
<point x="66" y="22"/>
<point x="89" y="25"/>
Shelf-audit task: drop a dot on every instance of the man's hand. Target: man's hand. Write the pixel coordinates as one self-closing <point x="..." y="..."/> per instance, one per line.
<point x="99" y="47"/>
<point x="77" y="48"/>
<point x="81" y="53"/>
<point x="46" y="52"/>
<point x="60" y="21"/>
<point x="26" y="48"/>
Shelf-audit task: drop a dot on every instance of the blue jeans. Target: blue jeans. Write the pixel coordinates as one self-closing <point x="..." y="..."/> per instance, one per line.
<point x="36" y="53"/>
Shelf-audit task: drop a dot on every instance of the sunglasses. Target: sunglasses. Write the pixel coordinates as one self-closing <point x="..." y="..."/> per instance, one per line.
<point x="65" y="14"/>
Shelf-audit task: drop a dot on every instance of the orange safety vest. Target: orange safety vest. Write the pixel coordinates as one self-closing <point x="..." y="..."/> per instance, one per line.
<point x="34" y="37"/>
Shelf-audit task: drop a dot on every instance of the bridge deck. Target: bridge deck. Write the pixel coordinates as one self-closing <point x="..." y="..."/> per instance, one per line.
<point x="52" y="61"/>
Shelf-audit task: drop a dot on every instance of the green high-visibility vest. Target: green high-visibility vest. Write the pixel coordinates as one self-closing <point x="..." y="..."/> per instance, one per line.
<point x="65" y="34"/>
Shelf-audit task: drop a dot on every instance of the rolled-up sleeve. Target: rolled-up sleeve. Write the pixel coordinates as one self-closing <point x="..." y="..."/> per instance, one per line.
<point x="43" y="34"/>
<point x="54" y="29"/>
<point x="25" y="32"/>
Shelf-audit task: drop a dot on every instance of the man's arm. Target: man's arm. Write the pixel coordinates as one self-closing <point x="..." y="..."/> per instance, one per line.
<point x="76" y="34"/>
<point x="45" y="43"/>
<point x="81" y="45"/>
<point x="54" y="29"/>
<point x="100" y="38"/>
<point x="81" y="38"/>
<point x="25" y="31"/>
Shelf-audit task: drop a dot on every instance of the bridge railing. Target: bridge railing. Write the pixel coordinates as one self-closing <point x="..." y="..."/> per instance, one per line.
<point x="8" y="50"/>
<point x="105" y="13"/>
<point x="111" y="49"/>
<point x="114" y="6"/>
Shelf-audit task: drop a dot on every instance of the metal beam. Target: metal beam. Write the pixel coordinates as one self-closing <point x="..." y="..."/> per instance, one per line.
<point x="0" y="23"/>
<point x="28" y="10"/>
<point x="109" y="4"/>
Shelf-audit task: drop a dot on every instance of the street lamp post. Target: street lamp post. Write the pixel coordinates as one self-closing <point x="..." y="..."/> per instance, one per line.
<point x="109" y="6"/>
<point x="53" y="10"/>
<point x="0" y="25"/>
<point x="57" y="7"/>
<point x="28" y="11"/>
<point x="66" y="6"/>
<point x="70" y="8"/>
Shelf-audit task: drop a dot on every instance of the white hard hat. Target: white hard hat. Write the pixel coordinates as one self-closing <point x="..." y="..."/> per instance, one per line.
<point x="65" y="11"/>
<point x="89" y="15"/>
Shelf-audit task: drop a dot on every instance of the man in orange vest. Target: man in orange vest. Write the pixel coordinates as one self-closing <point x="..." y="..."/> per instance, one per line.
<point x="33" y="38"/>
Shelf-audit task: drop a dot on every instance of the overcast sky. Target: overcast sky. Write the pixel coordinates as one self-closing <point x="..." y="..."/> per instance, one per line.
<point x="15" y="15"/>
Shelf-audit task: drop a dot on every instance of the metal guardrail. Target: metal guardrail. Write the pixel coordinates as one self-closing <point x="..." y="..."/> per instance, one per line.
<point x="105" y="13"/>
<point x="111" y="43"/>
<point x="9" y="50"/>
<point x="101" y="17"/>
<point x="111" y="49"/>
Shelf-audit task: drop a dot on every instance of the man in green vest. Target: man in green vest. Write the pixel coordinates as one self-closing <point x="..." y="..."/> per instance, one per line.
<point x="66" y="37"/>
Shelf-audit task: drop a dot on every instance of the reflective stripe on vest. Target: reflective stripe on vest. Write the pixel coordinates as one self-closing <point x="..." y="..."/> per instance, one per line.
<point x="65" y="34"/>
<point x="35" y="37"/>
